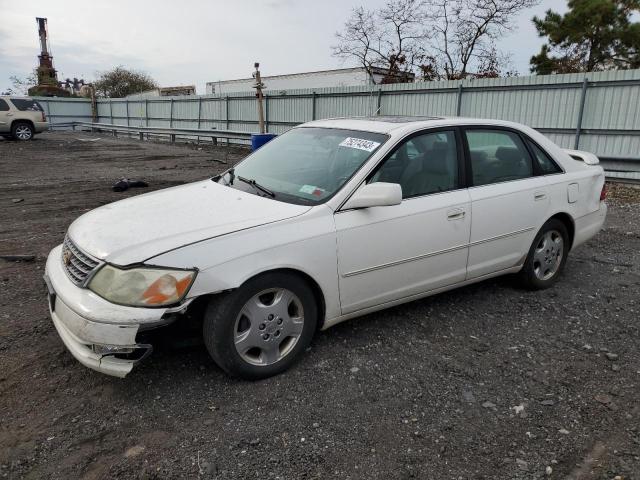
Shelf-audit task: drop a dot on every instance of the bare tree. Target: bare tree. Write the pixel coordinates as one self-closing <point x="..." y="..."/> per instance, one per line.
<point x="466" y="31"/>
<point x="435" y="39"/>
<point x="404" y="36"/>
<point x="361" y="40"/>
<point x="392" y="38"/>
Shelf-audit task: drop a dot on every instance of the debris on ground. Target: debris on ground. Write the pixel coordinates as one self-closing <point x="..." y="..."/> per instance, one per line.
<point x="125" y="184"/>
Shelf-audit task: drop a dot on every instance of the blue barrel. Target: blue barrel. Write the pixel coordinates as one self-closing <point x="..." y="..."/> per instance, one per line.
<point x="259" y="139"/>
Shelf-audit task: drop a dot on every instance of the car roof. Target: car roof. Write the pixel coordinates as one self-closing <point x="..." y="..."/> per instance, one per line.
<point x="390" y="123"/>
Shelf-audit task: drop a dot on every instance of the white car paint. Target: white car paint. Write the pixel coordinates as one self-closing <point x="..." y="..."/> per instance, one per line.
<point x="361" y="260"/>
<point x="132" y="230"/>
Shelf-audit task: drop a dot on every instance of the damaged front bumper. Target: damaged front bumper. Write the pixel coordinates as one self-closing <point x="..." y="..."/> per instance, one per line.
<point x="99" y="334"/>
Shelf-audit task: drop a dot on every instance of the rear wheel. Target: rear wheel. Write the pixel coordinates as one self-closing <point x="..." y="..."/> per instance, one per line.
<point x="262" y="328"/>
<point x="547" y="256"/>
<point x="22" y="131"/>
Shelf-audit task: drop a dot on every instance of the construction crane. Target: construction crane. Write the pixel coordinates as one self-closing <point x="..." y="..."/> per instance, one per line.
<point x="48" y="85"/>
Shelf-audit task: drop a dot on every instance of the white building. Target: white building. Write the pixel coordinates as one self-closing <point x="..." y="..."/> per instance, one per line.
<point x="342" y="77"/>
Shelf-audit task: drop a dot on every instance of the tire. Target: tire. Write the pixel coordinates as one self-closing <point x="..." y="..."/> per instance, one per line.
<point x="547" y="256"/>
<point x="22" y="131"/>
<point x="263" y="327"/>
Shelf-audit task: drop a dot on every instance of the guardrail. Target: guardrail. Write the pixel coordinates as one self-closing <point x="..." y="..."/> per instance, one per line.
<point x="626" y="170"/>
<point x="622" y="170"/>
<point x="172" y="133"/>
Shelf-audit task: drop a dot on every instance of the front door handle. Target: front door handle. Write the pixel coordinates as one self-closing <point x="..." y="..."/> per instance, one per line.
<point x="455" y="214"/>
<point x="539" y="196"/>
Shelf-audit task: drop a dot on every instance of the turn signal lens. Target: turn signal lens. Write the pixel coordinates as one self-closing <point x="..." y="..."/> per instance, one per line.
<point x="166" y="289"/>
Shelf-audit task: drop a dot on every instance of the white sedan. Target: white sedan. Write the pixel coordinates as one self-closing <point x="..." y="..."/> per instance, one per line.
<point x="332" y="220"/>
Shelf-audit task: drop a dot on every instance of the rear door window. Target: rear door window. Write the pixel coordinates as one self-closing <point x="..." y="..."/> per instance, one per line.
<point x="4" y="106"/>
<point x="497" y="156"/>
<point x="24" y="105"/>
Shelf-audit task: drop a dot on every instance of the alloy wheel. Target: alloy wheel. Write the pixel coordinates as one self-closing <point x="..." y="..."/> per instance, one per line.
<point x="23" y="132"/>
<point x="547" y="256"/>
<point x="268" y="326"/>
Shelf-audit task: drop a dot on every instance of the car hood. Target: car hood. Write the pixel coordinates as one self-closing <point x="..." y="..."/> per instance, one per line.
<point x="139" y="228"/>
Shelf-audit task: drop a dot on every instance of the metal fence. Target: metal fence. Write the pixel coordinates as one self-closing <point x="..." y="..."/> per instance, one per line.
<point x="598" y="112"/>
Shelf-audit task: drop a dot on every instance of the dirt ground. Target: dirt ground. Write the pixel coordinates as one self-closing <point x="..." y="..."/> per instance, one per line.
<point x="485" y="382"/>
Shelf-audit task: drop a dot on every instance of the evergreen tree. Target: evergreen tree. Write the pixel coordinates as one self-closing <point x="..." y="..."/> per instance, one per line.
<point x="593" y="35"/>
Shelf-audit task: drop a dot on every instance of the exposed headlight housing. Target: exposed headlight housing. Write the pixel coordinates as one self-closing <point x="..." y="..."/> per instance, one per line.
<point x="143" y="286"/>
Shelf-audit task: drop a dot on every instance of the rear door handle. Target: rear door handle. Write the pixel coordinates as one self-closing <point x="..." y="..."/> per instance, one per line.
<point x="539" y="196"/>
<point x="455" y="214"/>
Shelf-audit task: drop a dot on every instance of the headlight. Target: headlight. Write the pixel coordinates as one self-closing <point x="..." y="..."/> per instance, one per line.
<point x="142" y="287"/>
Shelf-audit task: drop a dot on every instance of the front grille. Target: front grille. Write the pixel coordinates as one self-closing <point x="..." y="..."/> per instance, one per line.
<point x="77" y="264"/>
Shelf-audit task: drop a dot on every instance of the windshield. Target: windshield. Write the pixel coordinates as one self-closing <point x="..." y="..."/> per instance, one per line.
<point x="305" y="165"/>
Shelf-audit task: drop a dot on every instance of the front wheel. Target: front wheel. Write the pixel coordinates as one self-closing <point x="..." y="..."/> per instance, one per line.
<point x="22" y="131"/>
<point x="263" y="327"/>
<point x="547" y="256"/>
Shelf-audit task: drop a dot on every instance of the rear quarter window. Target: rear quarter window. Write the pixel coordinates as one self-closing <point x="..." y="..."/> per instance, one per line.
<point x="25" y="105"/>
<point x="4" y="106"/>
<point x="545" y="162"/>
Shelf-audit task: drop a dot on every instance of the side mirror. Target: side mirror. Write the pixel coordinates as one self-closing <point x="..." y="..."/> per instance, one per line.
<point x="377" y="194"/>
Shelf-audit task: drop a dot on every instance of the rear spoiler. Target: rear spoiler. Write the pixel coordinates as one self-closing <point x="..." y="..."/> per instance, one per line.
<point x="586" y="157"/>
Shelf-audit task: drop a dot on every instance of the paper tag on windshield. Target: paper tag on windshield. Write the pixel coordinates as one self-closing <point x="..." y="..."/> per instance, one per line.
<point x="360" y="144"/>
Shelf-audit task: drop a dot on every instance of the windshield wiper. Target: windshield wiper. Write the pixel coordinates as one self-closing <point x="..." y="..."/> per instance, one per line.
<point x="256" y="185"/>
<point x="220" y="176"/>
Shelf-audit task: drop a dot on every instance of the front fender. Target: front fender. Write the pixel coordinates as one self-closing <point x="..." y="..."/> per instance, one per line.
<point x="306" y="243"/>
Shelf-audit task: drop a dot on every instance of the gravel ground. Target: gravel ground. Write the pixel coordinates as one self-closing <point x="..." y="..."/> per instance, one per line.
<point x="485" y="382"/>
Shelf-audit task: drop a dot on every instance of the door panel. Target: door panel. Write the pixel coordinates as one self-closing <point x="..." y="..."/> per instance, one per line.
<point x="387" y="253"/>
<point x="509" y="203"/>
<point x="506" y="217"/>
<point x="5" y="117"/>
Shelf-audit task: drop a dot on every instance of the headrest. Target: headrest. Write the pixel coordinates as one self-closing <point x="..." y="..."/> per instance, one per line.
<point x="478" y="155"/>
<point x="508" y="154"/>
<point x="438" y="159"/>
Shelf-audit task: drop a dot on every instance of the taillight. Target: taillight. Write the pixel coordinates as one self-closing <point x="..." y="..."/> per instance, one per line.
<point x="44" y="117"/>
<point x="603" y="193"/>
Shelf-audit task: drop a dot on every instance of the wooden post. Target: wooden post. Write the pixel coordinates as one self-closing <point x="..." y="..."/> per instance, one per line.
<point x="259" y="86"/>
<point x="94" y="104"/>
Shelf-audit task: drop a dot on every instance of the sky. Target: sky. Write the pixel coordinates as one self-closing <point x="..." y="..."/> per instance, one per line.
<point x="197" y="41"/>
